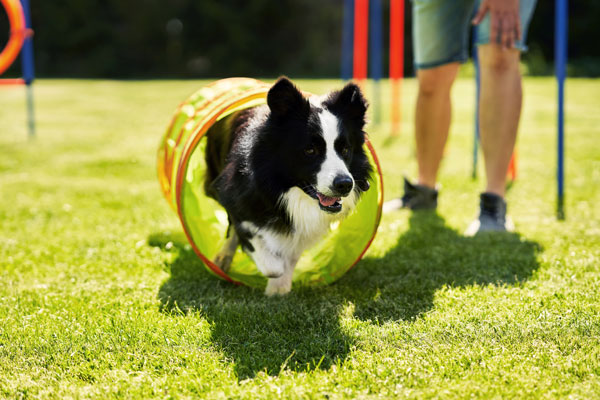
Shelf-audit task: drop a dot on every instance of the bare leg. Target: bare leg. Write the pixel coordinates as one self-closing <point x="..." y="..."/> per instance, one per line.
<point x="432" y="119"/>
<point x="225" y="256"/>
<point x="500" y="111"/>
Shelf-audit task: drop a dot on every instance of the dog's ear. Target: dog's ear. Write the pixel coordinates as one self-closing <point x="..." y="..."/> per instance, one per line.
<point x="350" y="102"/>
<point x="284" y="99"/>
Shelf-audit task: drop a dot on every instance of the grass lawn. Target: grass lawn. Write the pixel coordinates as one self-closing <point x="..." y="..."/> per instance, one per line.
<point x="100" y="297"/>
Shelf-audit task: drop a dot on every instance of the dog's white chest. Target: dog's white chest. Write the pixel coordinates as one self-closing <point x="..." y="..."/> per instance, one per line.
<point x="308" y="220"/>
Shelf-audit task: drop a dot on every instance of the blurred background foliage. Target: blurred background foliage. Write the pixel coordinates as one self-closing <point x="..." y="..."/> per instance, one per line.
<point x="260" y="38"/>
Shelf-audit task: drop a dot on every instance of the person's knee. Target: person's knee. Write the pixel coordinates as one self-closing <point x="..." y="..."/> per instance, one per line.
<point x="429" y="85"/>
<point x="498" y="60"/>
<point x="436" y="81"/>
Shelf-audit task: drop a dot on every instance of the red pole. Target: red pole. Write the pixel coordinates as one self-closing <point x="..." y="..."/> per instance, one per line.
<point x="361" y="34"/>
<point x="396" y="60"/>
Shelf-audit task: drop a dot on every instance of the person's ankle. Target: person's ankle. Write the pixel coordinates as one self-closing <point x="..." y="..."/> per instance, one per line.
<point x="428" y="183"/>
<point x="495" y="190"/>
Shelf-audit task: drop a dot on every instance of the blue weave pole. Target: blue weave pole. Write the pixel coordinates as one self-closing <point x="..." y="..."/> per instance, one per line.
<point x="376" y="53"/>
<point x="28" y="68"/>
<point x="347" y="40"/>
<point x="560" y="60"/>
<point x="475" y="56"/>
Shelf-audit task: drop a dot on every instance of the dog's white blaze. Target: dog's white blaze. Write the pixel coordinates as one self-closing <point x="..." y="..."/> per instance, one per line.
<point x="333" y="164"/>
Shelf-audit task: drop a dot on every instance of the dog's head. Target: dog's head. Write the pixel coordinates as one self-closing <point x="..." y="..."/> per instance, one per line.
<point x="318" y="143"/>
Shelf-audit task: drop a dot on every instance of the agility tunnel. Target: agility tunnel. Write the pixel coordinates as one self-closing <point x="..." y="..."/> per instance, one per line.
<point x="181" y="172"/>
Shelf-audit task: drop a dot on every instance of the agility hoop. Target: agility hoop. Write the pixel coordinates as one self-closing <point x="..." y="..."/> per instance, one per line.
<point x="18" y="33"/>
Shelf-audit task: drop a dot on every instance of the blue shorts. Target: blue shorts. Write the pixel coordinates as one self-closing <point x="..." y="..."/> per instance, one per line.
<point x="441" y="30"/>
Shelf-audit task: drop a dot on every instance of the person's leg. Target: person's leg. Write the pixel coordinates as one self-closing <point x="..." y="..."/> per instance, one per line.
<point x="440" y="44"/>
<point x="499" y="112"/>
<point x="432" y="119"/>
<point x="501" y="96"/>
<point x="432" y="123"/>
<point x="500" y="109"/>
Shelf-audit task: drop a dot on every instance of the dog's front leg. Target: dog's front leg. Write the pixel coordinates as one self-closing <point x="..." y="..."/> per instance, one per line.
<point x="283" y="284"/>
<point x="225" y="256"/>
<point x="271" y="261"/>
<point x="271" y="264"/>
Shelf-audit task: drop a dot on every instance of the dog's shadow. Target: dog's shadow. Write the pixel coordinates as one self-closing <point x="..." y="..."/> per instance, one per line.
<point x="303" y="330"/>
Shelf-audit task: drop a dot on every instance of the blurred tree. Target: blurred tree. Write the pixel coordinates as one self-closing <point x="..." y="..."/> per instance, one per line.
<point x="219" y="38"/>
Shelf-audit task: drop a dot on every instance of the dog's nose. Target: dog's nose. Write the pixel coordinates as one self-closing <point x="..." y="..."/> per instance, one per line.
<point x="342" y="184"/>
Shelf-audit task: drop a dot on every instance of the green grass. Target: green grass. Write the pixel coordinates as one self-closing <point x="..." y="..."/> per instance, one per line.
<point x="100" y="297"/>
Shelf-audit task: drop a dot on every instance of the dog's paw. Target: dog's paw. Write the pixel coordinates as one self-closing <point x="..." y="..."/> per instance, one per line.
<point x="271" y="270"/>
<point x="278" y="287"/>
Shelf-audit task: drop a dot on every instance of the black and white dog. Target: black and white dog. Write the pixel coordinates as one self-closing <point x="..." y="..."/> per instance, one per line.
<point x="284" y="172"/>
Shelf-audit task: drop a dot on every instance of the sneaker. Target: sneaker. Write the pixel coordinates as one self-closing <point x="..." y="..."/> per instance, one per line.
<point x="492" y="216"/>
<point x="416" y="197"/>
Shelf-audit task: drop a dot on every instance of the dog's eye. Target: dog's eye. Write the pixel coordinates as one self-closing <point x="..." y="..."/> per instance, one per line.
<point x="310" y="151"/>
<point x="345" y="151"/>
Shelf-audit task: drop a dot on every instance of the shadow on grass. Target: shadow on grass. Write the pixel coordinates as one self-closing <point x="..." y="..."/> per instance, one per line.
<point x="431" y="255"/>
<point x="302" y="331"/>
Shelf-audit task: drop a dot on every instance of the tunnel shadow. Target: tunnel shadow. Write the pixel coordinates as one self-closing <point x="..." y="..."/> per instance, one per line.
<point x="302" y="331"/>
<point x="257" y="333"/>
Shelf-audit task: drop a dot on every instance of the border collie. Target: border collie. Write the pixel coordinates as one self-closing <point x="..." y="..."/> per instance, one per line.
<point x="284" y="172"/>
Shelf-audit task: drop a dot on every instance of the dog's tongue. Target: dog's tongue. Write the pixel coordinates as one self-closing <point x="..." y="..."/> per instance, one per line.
<point x="327" y="201"/>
